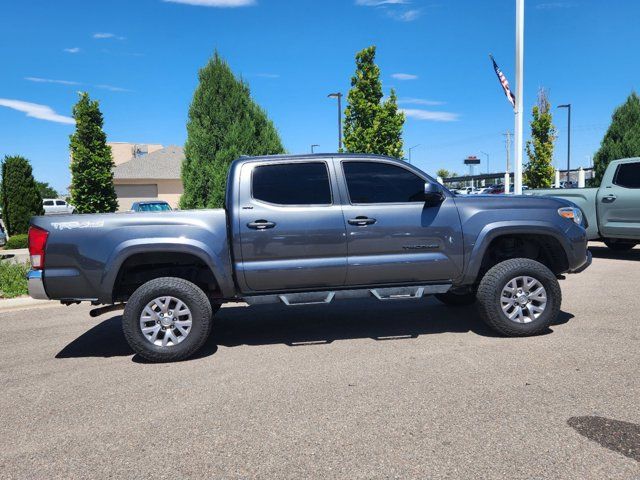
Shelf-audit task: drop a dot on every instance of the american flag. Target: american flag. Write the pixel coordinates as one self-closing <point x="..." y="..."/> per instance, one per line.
<point x="505" y="84"/>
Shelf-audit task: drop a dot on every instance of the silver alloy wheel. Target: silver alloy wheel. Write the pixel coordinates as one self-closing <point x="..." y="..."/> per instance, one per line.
<point x="165" y="321"/>
<point x="523" y="299"/>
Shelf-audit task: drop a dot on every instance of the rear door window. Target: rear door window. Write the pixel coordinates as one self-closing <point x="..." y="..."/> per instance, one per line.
<point x="292" y="184"/>
<point x="48" y="203"/>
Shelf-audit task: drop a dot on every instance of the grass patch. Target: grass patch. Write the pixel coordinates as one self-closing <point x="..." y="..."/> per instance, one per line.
<point x="13" y="279"/>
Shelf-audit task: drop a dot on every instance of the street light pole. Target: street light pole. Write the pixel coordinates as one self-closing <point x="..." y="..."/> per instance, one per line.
<point x="314" y="145"/>
<point x="568" y="107"/>
<point x="411" y="148"/>
<point x="487" y="155"/>
<point x="338" y="95"/>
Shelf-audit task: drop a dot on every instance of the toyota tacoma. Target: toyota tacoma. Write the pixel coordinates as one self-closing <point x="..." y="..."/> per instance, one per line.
<point x="312" y="229"/>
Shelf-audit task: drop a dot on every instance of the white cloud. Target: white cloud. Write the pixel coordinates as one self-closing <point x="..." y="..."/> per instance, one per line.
<point x="430" y="115"/>
<point x="49" y="80"/>
<point x="215" y="3"/>
<point x="107" y="35"/>
<point x="377" y="3"/>
<point x="404" y="76"/>
<point x="418" y="101"/>
<point x="111" y="88"/>
<point x="553" y="5"/>
<point x="72" y="50"/>
<point x="406" y="16"/>
<point x="35" y="110"/>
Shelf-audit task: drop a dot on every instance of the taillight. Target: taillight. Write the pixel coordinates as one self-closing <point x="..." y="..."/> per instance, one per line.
<point x="37" y="242"/>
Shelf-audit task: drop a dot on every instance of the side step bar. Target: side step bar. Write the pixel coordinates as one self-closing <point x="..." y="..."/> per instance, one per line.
<point x="324" y="297"/>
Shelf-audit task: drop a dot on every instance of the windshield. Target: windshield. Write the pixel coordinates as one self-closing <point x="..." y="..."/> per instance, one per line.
<point x="154" y="207"/>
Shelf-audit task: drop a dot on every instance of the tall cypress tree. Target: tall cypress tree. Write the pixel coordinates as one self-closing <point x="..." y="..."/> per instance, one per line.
<point x="538" y="172"/>
<point x="224" y="123"/>
<point x="622" y="139"/>
<point x="20" y="197"/>
<point x="92" y="188"/>
<point x="371" y="126"/>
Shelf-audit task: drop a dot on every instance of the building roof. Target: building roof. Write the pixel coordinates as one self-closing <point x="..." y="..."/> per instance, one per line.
<point x="163" y="164"/>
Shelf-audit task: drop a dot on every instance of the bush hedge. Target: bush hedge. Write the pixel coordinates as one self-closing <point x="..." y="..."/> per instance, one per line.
<point x="17" y="241"/>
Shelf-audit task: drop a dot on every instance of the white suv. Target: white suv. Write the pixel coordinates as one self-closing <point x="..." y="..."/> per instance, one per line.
<point x="53" y="206"/>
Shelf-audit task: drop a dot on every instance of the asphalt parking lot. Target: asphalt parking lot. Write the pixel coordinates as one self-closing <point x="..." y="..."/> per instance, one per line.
<point x="363" y="389"/>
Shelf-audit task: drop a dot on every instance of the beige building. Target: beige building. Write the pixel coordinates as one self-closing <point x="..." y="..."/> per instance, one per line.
<point x="125" y="151"/>
<point x="147" y="172"/>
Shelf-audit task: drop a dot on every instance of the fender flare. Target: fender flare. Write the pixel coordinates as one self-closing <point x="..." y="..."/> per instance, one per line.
<point x="197" y="248"/>
<point x="493" y="230"/>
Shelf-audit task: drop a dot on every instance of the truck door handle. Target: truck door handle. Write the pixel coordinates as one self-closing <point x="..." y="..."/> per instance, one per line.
<point x="361" y="221"/>
<point x="609" y="199"/>
<point x="261" y="224"/>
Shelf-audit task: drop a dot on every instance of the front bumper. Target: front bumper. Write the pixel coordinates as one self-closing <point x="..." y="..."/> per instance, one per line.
<point x="36" y="285"/>
<point x="585" y="265"/>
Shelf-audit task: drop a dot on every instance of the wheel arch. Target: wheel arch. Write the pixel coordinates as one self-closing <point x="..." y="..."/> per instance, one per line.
<point x="135" y="247"/>
<point x="533" y="231"/>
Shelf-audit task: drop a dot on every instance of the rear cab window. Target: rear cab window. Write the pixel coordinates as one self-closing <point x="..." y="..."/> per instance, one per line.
<point x="291" y="184"/>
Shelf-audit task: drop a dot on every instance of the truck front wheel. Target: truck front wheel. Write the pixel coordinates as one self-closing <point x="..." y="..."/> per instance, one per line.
<point x="167" y="319"/>
<point x="519" y="297"/>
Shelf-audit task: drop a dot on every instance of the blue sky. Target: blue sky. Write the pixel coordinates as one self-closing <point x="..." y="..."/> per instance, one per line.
<point x="140" y="59"/>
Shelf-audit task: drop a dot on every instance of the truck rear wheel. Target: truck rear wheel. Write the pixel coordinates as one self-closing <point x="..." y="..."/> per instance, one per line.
<point x="519" y="297"/>
<point x="619" y="245"/>
<point x="167" y="319"/>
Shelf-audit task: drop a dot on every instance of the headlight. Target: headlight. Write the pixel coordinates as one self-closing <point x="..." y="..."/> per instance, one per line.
<point x="574" y="214"/>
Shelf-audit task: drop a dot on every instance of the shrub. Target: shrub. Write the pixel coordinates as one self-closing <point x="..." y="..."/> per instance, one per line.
<point x="224" y="123"/>
<point x="20" y="197"/>
<point x="13" y="279"/>
<point x="17" y="241"/>
<point x="92" y="189"/>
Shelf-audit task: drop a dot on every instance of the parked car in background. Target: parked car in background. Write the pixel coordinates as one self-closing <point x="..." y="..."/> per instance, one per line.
<point x="568" y="184"/>
<point x="612" y="211"/>
<point x="57" y="206"/>
<point x="151" y="206"/>
<point x="312" y="229"/>
<point x="3" y="235"/>
<point x="495" y="189"/>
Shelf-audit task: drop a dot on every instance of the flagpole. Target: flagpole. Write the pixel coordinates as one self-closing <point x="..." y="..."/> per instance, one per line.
<point x="517" y="172"/>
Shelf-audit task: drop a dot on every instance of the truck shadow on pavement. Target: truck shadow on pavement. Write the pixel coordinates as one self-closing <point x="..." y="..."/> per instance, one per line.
<point x="605" y="252"/>
<point x="305" y="325"/>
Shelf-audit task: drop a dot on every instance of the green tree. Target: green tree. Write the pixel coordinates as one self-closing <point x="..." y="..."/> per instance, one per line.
<point x="443" y="173"/>
<point x="46" y="190"/>
<point x="539" y="171"/>
<point x="371" y="125"/>
<point x="224" y="123"/>
<point x="92" y="188"/>
<point x="20" y="197"/>
<point x="622" y="139"/>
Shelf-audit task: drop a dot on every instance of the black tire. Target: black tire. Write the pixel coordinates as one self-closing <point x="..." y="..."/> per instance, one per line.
<point x="620" y="245"/>
<point x="457" y="299"/>
<point x="195" y="300"/>
<point x="495" y="280"/>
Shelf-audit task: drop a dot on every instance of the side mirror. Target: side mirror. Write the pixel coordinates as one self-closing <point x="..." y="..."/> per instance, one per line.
<point x="433" y="194"/>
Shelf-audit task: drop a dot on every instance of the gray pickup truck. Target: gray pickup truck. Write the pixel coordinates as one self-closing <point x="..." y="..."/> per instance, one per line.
<point x="612" y="211"/>
<point x="311" y="229"/>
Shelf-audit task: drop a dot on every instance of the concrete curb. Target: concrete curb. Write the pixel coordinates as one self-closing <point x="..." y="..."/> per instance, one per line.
<point x="24" y="303"/>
